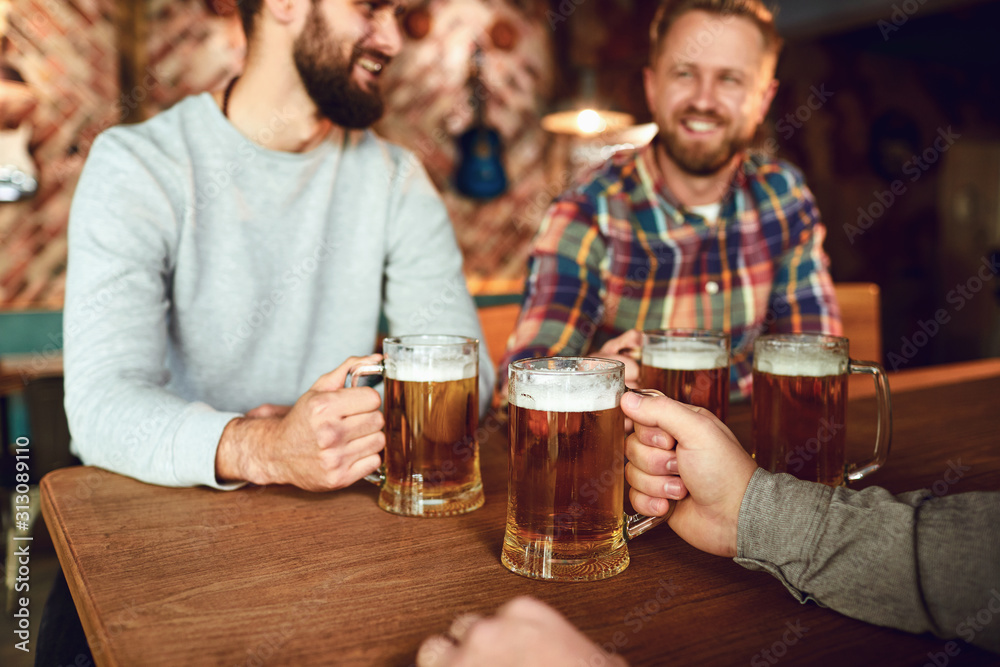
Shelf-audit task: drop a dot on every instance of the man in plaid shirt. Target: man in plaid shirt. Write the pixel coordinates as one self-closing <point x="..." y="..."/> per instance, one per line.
<point x="693" y="230"/>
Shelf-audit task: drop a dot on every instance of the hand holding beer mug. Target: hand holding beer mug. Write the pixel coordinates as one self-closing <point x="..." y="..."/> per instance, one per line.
<point x="688" y="365"/>
<point x="566" y="484"/>
<point x="431" y="465"/>
<point x="800" y="407"/>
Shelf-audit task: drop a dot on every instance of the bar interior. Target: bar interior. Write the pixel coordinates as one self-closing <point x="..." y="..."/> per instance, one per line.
<point x="337" y="332"/>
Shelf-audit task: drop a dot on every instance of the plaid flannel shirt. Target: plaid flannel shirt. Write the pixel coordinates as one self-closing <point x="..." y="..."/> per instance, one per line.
<point x="618" y="252"/>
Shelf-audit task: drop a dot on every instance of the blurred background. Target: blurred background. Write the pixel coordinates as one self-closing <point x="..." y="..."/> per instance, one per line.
<point x="888" y="107"/>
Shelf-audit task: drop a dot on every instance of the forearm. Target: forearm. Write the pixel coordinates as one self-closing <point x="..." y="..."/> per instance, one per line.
<point x="144" y="433"/>
<point x="913" y="562"/>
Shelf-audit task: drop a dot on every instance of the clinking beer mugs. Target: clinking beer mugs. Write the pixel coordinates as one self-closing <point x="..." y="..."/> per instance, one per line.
<point x="431" y="462"/>
<point x="800" y="406"/>
<point x="566" y="475"/>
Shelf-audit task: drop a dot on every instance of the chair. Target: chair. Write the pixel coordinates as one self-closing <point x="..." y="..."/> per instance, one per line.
<point x="861" y="314"/>
<point x="498" y="315"/>
<point x="498" y="324"/>
<point x="31" y="406"/>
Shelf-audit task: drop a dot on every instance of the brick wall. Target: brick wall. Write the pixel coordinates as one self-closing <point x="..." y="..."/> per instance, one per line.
<point x="429" y="105"/>
<point x="67" y="52"/>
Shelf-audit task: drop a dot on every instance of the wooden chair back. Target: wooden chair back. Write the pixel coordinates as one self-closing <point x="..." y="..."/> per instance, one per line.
<point x="861" y="314"/>
<point x="498" y="324"/>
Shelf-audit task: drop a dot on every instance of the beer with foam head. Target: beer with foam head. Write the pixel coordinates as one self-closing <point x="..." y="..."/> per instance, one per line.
<point x="566" y="474"/>
<point x="431" y="417"/>
<point x="431" y="459"/>
<point x="688" y="365"/>
<point x="800" y="405"/>
<point x="799" y="413"/>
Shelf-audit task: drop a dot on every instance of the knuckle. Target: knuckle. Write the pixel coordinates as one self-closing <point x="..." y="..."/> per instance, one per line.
<point x="485" y="632"/>
<point x="331" y="460"/>
<point x="633" y="448"/>
<point x="373" y="396"/>
<point x="631" y="474"/>
<point x="334" y="434"/>
<point x="522" y="604"/>
<point x="642" y="503"/>
<point x="315" y="404"/>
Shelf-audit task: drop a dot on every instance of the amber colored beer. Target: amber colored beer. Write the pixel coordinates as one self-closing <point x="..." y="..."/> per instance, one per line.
<point x="799" y="411"/>
<point x="688" y="365"/>
<point x="706" y="387"/>
<point x="431" y="454"/>
<point x="566" y="488"/>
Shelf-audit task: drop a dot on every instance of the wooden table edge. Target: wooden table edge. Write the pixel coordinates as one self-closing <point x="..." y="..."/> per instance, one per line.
<point x="71" y="571"/>
<point x="912" y="379"/>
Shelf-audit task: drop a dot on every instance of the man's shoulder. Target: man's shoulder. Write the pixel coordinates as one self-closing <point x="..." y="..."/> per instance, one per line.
<point x="167" y="120"/>
<point x="779" y="176"/>
<point x="158" y="133"/>
<point x="777" y="190"/>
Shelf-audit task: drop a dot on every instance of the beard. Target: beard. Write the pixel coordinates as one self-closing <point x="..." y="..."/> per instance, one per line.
<point x="326" y="75"/>
<point x="699" y="159"/>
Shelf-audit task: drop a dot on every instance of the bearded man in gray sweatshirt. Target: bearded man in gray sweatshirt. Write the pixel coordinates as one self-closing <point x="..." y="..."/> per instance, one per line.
<point x="229" y="260"/>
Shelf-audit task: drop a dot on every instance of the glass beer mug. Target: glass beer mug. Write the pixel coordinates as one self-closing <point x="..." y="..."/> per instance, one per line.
<point x="566" y="477"/>
<point x="431" y="461"/>
<point x="688" y="365"/>
<point x="800" y="408"/>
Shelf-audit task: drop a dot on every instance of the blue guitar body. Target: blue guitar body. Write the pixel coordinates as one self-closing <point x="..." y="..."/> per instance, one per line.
<point x="480" y="172"/>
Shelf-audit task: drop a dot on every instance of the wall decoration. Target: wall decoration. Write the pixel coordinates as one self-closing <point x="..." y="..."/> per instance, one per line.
<point x="428" y="106"/>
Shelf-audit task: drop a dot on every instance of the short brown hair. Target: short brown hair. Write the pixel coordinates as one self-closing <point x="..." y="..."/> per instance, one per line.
<point x="754" y="10"/>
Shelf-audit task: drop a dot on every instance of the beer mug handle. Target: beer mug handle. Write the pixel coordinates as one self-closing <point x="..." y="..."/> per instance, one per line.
<point x="883" y="433"/>
<point x="378" y="477"/>
<point x="637" y="524"/>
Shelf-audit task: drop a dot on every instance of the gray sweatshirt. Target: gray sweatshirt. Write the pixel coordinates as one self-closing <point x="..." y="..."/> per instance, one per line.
<point x="914" y="561"/>
<point x="208" y="275"/>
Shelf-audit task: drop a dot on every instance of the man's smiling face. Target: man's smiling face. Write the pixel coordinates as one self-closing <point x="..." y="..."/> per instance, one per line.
<point x="341" y="68"/>
<point x="709" y="96"/>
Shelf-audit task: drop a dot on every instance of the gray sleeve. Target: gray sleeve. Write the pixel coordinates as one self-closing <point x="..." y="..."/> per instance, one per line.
<point x="425" y="290"/>
<point x="121" y="417"/>
<point x="915" y="561"/>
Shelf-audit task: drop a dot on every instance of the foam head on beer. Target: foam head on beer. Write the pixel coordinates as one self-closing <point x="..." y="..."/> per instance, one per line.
<point x="429" y="370"/>
<point x="565" y="391"/>
<point x="685" y="354"/>
<point x="813" y="362"/>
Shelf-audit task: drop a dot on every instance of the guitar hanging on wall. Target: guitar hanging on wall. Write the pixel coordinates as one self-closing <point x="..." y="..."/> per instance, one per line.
<point x="480" y="172"/>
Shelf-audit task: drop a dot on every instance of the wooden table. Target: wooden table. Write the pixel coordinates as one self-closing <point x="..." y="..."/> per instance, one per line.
<point x="280" y="576"/>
